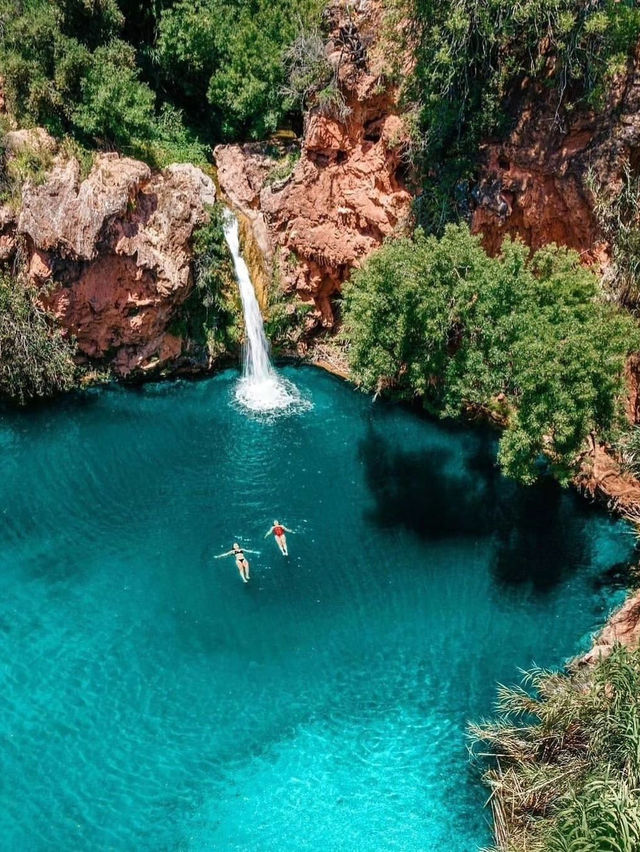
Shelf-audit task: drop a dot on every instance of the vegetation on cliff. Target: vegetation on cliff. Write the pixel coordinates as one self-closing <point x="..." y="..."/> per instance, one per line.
<point x="210" y="318"/>
<point x="525" y="338"/>
<point x="476" y="61"/>
<point x="113" y="74"/>
<point x="36" y="360"/>
<point x="565" y="759"/>
<point x="224" y="61"/>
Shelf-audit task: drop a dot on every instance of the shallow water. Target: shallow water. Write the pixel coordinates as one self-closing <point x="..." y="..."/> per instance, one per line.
<point x="151" y="700"/>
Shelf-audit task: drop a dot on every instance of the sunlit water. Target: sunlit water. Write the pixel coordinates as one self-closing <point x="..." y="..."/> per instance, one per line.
<point x="151" y="700"/>
<point x="261" y="389"/>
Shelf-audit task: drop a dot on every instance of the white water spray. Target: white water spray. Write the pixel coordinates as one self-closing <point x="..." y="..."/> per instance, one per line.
<point x="260" y="389"/>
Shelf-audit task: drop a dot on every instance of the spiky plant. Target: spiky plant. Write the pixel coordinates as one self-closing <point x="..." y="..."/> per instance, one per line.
<point x="564" y="754"/>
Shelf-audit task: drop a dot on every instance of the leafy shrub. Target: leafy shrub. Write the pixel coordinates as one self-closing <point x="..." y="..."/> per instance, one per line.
<point x="15" y="169"/>
<point x="474" y="59"/>
<point x="565" y="755"/>
<point x="35" y="359"/>
<point x="525" y="339"/>
<point x="211" y="317"/>
<point x="227" y="58"/>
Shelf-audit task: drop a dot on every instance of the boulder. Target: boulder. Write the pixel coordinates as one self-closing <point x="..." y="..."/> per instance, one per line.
<point x="115" y="251"/>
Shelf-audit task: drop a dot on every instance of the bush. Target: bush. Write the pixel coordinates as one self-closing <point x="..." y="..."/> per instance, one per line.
<point x="565" y="772"/>
<point x="527" y="340"/>
<point x="35" y="359"/>
<point x="474" y="59"/>
<point x="308" y="70"/>
<point x="115" y="107"/>
<point x="211" y="316"/>
<point x="227" y="58"/>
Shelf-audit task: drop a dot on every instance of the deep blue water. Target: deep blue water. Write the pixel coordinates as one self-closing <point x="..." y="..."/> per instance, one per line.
<point x="150" y="700"/>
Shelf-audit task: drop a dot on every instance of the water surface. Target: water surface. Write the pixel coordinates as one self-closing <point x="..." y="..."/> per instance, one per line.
<point x="151" y="700"/>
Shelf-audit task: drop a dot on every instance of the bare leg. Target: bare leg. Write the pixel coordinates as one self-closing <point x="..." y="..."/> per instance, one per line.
<point x="282" y="544"/>
<point x="243" y="569"/>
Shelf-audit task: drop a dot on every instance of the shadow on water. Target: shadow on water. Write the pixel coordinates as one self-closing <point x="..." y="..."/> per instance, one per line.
<point x="455" y="490"/>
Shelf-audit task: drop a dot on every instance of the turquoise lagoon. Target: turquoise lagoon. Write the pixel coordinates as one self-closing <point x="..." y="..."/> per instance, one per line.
<point x="150" y="700"/>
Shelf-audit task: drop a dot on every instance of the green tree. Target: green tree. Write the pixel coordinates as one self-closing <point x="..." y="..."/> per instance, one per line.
<point x="115" y="107"/>
<point x="65" y="68"/>
<point x="35" y="359"/>
<point x="228" y="57"/>
<point x="527" y="340"/>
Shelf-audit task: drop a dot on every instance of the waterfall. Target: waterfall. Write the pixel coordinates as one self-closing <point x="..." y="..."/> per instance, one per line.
<point x="261" y="388"/>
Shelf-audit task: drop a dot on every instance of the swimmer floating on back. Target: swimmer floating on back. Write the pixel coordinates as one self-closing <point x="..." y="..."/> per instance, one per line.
<point x="241" y="560"/>
<point x="279" y="533"/>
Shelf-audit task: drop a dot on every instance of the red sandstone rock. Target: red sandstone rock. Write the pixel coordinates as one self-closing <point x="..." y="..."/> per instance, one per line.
<point x="346" y="193"/>
<point x="117" y="248"/>
<point x="623" y="628"/>
<point x="534" y="184"/>
<point x="602" y="477"/>
<point x="7" y="232"/>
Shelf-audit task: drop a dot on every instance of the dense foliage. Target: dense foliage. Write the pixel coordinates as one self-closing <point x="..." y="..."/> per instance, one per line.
<point x="209" y="318"/>
<point x="35" y="359"/>
<point x="527" y="338"/>
<point x="567" y="773"/>
<point x="226" y="58"/>
<point x="65" y="67"/>
<point x="122" y="74"/>
<point x="475" y="58"/>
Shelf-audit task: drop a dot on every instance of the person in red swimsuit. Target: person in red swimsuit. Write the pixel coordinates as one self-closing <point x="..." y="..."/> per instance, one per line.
<point x="279" y="531"/>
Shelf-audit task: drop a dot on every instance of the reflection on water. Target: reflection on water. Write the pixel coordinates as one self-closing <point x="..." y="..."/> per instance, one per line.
<point x="538" y="532"/>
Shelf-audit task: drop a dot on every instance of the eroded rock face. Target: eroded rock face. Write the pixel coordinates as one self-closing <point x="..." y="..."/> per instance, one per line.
<point x="534" y="185"/>
<point x="116" y="248"/>
<point x="346" y="193"/>
<point x="623" y="628"/>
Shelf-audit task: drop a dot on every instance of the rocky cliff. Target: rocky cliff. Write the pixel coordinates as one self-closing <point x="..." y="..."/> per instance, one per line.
<point x="112" y="254"/>
<point x="346" y="193"/>
<point x="535" y="185"/>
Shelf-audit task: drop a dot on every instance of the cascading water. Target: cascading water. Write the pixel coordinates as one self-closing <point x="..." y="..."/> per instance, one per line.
<point x="261" y="388"/>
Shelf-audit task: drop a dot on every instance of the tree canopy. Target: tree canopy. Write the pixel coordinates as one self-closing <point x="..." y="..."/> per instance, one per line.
<point x="526" y="339"/>
<point x="122" y="74"/>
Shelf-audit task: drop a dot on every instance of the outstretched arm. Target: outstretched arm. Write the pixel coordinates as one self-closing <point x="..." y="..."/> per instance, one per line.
<point x="269" y="533"/>
<point x="286" y="529"/>
<point x="228" y="553"/>
<point x="246" y="550"/>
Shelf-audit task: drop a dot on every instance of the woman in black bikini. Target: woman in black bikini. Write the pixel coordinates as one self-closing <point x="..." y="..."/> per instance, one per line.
<point x="241" y="560"/>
